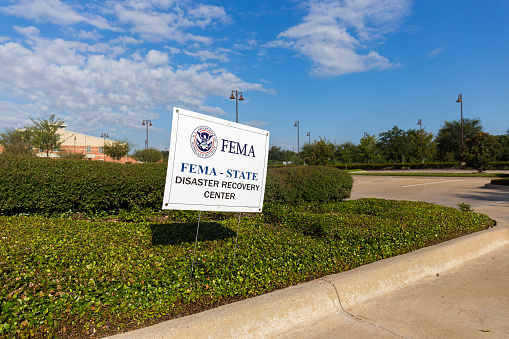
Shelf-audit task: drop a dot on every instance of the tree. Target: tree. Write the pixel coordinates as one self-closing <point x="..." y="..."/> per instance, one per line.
<point x="153" y="155"/>
<point x="394" y="144"/>
<point x="44" y="135"/>
<point x="347" y="153"/>
<point x="275" y="154"/>
<point x="368" y="147"/>
<point x="448" y="139"/>
<point x="503" y="141"/>
<point x="17" y="142"/>
<point x="117" y="148"/>
<point x="318" y="153"/>
<point x="428" y="145"/>
<point x="480" y="150"/>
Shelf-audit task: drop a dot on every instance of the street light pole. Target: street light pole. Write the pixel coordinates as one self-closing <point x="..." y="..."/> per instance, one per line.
<point x="420" y="123"/>
<point x="147" y="123"/>
<point x="309" y="135"/>
<point x="235" y="95"/>
<point x="298" y="141"/>
<point x="104" y="136"/>
<point x="460" y="100"/>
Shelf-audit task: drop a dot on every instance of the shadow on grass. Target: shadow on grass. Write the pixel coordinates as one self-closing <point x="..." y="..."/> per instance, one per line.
<point x="179" y="233"/>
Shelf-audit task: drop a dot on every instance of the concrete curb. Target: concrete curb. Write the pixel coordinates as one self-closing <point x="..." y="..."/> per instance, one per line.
<point x="282" y="310"/>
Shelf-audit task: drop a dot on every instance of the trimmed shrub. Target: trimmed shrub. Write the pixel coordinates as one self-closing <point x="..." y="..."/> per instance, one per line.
<point x="436" y="165"/>
<point x="48" y="186"/>
<point x="503" y="181"/>
<point x="300" y="184"/>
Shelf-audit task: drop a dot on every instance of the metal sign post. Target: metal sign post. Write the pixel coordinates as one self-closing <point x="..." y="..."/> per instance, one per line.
<point x="195" y="242"/>
<point x="236" y="239"/>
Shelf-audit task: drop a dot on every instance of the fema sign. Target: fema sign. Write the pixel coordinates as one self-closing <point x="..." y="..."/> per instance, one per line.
<point x="215" y="164"/>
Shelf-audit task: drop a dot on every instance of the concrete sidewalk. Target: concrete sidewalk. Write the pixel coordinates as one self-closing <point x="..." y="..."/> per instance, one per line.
<point x="454" y="289"/>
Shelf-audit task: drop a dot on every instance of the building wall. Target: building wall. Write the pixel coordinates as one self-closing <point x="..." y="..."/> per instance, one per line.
<point x="74" y="142"/>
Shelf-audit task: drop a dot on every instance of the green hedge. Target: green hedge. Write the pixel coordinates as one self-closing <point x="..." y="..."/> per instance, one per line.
<point x="40" y="185"/>
<point x="49" y="186"/>
<point x="503" y="181"/>
<point x="299" y="184"/>
<point x="439" y="165"/>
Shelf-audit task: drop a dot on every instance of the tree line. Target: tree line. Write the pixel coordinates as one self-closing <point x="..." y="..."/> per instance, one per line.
<point x="411" y="146"/>
<point x="41" y="136"/>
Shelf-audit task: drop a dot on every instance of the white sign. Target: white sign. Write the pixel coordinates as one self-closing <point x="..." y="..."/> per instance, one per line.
<point x="215" y="164"/>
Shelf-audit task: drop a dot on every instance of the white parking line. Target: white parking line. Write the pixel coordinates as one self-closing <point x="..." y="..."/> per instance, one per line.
<point x="432" y="183"/>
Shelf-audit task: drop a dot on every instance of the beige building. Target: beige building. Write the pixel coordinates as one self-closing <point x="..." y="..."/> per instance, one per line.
<point x="90" y="146"/>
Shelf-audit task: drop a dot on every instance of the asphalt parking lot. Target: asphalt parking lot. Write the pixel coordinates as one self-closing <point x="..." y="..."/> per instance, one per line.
<point x="447" y="191"/>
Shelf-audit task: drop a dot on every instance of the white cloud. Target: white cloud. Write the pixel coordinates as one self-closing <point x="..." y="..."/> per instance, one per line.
<point x="204" y="55"/>
<point x="335" y="34"/>
<point x="436" y="52"/>
<point x="157" y="20"/>
<point x="256" y="123"/>
<point x="27" y="31"/>
<point x="94" y="90"/>
<point x="54" y="11"/>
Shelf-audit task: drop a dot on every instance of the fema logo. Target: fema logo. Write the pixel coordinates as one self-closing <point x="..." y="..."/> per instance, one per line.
<point x="203" y="141"/>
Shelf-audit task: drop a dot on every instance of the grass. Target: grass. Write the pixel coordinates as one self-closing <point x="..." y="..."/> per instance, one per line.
<point x="68" y="278"/>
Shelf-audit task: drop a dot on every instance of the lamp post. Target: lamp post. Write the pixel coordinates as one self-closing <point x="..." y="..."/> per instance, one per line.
<point x="298" y="141"/>
<point x="420" y="123"/>
<point x="235" y="95"/>
<point x="309" y="135"/>
<point x="460" y="100"/>
<point x="147" y="123"/>
<point x="74" y="144"/>
<point x="104" y="136"/>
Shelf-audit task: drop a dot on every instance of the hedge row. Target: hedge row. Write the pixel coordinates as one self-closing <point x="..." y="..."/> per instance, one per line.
<point x="40" y="185"/>
<point x="299" y="184"/>
<point x="49" y="186"/>
<point x="498" y="165"/>
<point x="503" y="181"/>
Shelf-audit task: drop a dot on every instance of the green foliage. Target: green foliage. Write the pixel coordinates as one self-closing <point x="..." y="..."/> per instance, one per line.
<point x="449" y="137"/>
<point x="318" y="153"/>
<point x="278" y="156"/>
<point x="117" y="148"/>
<point x="368" y="148"/>
<point x="465" y="207"/>
<point x="503" y="181"/>
<point x="480" y="150"/>
<point x="43" y="134"/>
<point x="41" y="185"/>
<point x="16" y="142"/>
<point x="299" y="184"/>
<point x="147" y="156"/>
<point x="68" y="278"/>
<point x="394" y="144"/>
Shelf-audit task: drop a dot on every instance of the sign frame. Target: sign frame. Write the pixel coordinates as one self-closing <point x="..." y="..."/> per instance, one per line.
<point x="215" y="164"/>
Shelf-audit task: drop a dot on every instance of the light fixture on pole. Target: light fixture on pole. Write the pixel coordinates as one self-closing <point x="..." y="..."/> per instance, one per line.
<point x="309" y="135"/>
<point x="104" y="136"/>
<point x="74" y="144"/>
<point x="147" y="123"/>
<point x="460" y="100"/>
<point x="420" y="123"/>
<point x="235" y="96"/>
<point x="298" y="141"/>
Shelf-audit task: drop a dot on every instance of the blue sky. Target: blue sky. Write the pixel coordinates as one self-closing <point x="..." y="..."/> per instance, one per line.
<point x="341" y="68"/>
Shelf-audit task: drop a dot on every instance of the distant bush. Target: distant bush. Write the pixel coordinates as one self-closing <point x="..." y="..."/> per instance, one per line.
<point x="299" y="184"/>
<point x="437" y="165"/>
<point x="503" y="181"/>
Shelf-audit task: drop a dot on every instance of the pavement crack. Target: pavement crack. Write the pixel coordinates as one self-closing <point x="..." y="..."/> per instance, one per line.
<point x="359" y="318"/>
